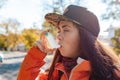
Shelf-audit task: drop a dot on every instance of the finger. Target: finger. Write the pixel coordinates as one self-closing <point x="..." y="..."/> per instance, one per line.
<point x="39" y="45"/>
<point x="37" y="42"/>
<point x="44" y="33"/>
<point x="50" y="50"/>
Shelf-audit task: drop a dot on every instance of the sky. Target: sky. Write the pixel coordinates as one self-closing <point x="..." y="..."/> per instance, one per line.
<point x="28" y="12"/>
<point x="25" y="11"/>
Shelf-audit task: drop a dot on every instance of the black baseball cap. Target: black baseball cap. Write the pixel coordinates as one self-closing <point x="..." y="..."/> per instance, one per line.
<point x="78" y="15"/>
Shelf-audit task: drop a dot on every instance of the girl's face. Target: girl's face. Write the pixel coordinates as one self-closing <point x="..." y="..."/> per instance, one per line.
<point x="68" y="39"/>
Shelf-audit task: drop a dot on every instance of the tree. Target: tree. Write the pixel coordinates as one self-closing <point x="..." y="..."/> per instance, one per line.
<point x="58" y="6"/>
<point x="13" y="40"/>
<point x="3" y="44"/>
<point x="112" y="10"/>
<point x="8" y="26"/>
<point x="29" y="37"/>
<point x="113" y="14"/>
<point x="116" y="41"/>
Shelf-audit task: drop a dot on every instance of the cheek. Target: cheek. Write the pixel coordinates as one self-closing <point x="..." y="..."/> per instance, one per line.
<point x="72" y="39"/>
<point x="70" y="45"/>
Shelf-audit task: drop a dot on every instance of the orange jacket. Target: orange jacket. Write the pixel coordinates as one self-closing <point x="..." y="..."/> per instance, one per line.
<point x="30" y="68"/>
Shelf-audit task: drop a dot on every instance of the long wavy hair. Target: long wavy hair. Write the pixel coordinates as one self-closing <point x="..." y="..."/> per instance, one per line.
<point x="103" y="60"/>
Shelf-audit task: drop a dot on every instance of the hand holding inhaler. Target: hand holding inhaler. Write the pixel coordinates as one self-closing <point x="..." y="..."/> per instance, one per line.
<point x="47" y="43"/>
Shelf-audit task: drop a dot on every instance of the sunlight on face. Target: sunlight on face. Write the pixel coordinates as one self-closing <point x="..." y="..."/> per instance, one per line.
<point x="68" y="39"/>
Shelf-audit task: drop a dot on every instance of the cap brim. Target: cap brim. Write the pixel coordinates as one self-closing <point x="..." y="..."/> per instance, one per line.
<point x="55" y="18"/>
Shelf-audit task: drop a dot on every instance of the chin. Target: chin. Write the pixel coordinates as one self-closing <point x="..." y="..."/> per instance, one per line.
<point x="63" y="54"/>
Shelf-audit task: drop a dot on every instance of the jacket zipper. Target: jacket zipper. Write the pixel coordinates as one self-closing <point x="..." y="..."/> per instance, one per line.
<point x="64" y="73"/>
<point x="73" y="70"/>
<point x="72" y="73"/>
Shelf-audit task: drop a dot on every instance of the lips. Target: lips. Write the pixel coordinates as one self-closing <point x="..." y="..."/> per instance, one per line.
<point x="59" y="44"/>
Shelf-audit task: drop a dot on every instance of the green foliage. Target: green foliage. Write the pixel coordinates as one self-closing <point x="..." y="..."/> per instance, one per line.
<point x="13" y="40"/>
<point x="8" y="27"/>
<point x="3" y="44"/>
<point x="116" y="41"/>
<point x="29" y="37"/>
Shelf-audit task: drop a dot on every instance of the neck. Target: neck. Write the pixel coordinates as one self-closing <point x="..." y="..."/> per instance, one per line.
<point x="69" y="63"/>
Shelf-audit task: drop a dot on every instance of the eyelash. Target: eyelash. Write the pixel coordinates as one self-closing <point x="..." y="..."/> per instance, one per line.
<point x="66" y="30"/>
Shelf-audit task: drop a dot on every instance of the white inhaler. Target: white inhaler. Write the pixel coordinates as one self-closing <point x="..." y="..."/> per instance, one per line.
<point x="51" y="41"/>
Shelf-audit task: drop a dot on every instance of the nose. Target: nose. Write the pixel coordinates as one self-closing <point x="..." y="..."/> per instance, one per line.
<point x="59" y="37"/>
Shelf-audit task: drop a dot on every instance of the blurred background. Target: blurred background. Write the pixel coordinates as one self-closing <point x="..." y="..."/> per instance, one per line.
<point x="22" y="20"/>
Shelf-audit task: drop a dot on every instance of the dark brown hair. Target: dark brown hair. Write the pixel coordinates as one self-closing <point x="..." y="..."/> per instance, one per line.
<point x="103" y="60"/>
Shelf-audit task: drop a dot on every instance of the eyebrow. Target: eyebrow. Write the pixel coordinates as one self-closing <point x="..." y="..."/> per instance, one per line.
<point x="63" y="26"/>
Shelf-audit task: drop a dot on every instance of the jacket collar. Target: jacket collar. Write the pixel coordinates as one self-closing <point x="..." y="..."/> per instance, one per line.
<point x="83" y="65"/>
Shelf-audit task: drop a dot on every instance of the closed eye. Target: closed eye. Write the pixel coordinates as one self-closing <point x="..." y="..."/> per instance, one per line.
<point x="66" y="30"/>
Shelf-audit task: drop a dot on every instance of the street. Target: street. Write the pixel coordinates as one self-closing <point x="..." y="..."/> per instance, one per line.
<point x="10" y="66"/>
